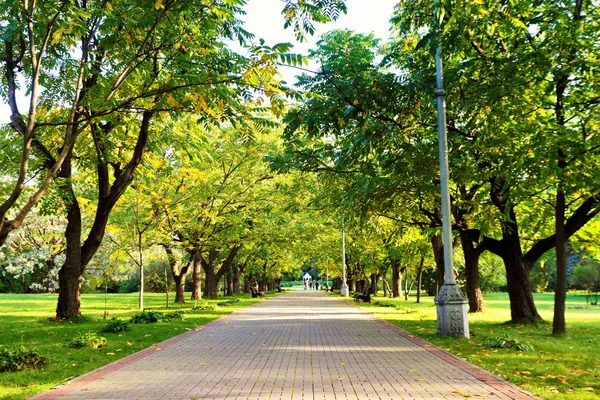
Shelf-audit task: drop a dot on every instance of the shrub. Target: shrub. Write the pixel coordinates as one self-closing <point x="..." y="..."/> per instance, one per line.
<point x="149" y="317"/>
<point x="384" y="303"/>
<point x="19" y="358"/>
<point x="506" y="342"/>
<point x="90" y="339"/>
<point x="178" y="314"/>
<point x="114" y="325"/>
<point x="204" y="306"/>
<point x="406" y="310"/>
<point x="228" y="302"/>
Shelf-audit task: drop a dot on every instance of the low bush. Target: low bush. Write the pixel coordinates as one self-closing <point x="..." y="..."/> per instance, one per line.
<point x="90" y="339"/>
<point x="228" y="302"/>
<point x="19" y="358"/>
<point x="114" y="325"/>
<point x="204" y="306"/>
<point x="384" y="303"/>
<point x="506" y="342"/>
<point x="406" y="310"/>
<point x="149" y="317"/>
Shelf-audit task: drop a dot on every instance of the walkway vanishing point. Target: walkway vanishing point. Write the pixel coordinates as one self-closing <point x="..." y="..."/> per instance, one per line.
<point x="300" y="345"/>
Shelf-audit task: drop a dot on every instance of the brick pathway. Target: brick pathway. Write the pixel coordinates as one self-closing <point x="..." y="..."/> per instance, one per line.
<point x="300" y="345"/>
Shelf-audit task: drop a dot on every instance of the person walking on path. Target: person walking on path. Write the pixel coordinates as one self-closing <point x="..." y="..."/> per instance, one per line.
<point x="296" y="346"/>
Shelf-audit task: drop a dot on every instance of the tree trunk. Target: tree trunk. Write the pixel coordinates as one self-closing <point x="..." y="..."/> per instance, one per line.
<point x="197" y="281"/>
<point x="473" y="288"/>
<point x="179" y="287"/>
<point x="235" y="278"/>
<point x="374" y="283"/>
<point x="396" y="277"/>
<point x="522" y="307"/>
<point x="69" y="293"/>
<point x="560" y="294"/>
<point x="247" y="284"/>
<point x="79" y="255"/>
<point x="179" y="275"/>
<point x="438" y="254"/>
<point x="229" y="283"/>
<point x="420" y="280"/>
<point x="71" y="272"/>
<point x="211" y="284"/>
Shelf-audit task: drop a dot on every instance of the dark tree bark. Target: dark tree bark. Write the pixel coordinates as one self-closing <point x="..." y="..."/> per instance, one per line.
<point x="197" y="280"/>
<point x="212" y="276"/>
<point x="420" y="278"/>
<point x="180" y="274"/>
<point x="438" y="254"/>
<point x="473" y="286"/>
<point x="228" y="287"/>
<point x="396" y="277"/>
<point x="559" y="326"/>
<point x="374" y="283"/>
<point x="235" y="278"/>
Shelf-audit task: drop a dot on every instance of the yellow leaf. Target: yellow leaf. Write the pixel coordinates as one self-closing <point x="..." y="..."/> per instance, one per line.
<point x="171" y="101"/>
<point x="158" y="4"/>
<point x="109" y="7"/>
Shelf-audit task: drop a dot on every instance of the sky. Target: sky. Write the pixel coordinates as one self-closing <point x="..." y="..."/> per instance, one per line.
<point x="264" y="19"/>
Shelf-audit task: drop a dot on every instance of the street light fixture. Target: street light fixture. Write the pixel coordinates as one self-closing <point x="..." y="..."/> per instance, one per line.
<point x="344" y="287"/>
<point x="451" y="304"/>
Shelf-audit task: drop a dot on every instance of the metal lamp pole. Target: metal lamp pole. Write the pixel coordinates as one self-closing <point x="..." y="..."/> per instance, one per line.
<point x="344" y="287"/>
<point x="451" y="304"/>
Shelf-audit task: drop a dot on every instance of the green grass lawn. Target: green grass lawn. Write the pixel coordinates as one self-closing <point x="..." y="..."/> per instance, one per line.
<point x="558" y="368"/>
<point x="26" y="320"/>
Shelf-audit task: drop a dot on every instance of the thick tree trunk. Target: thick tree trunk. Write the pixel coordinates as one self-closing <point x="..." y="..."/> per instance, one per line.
<point x="247" y="284"/>
<point x="235" y="278"/>
<point x="197" y="281"/>
<point x="374" y="283"/>
<point x="179" y="288"/>
<point x="396" y="278"/>
<point x="69" y="293"/>
<point x="438" y="254"/>
<point x="473" y="288"/>
<point x="229" y="283"/>
<point x="559" y="326"/>
<point x="522" y="307"/>
<point x="211" y="285"/>
<point x="71" y="272"/>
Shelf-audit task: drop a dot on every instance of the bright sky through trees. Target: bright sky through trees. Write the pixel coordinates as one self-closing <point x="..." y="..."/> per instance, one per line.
<point x="264" y="19"/>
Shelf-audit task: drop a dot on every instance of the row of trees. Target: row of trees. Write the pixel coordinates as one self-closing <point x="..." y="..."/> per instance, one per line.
<point x="147" y="96"/>
<point x="523" y="112"/>
<point x="103" y="79"/>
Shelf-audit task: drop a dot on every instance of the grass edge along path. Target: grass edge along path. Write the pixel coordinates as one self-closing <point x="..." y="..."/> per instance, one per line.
<point x="564" y="367"/>
<point x="26" y="320"/>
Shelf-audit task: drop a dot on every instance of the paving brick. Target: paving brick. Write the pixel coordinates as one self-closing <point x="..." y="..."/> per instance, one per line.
<point x="298" y="346"/>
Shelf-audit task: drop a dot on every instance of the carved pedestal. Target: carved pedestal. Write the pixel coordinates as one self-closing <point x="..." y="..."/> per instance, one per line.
<point x="451" y="307"/>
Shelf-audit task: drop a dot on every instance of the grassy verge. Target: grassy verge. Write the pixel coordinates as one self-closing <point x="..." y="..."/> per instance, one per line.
<point x="565" y="367"/>
<point x="25" y="320"/>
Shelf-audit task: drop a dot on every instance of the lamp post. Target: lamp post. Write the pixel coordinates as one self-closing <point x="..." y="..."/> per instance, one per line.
<point x="344" y="287"/>
<point x="451" y="304"/>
